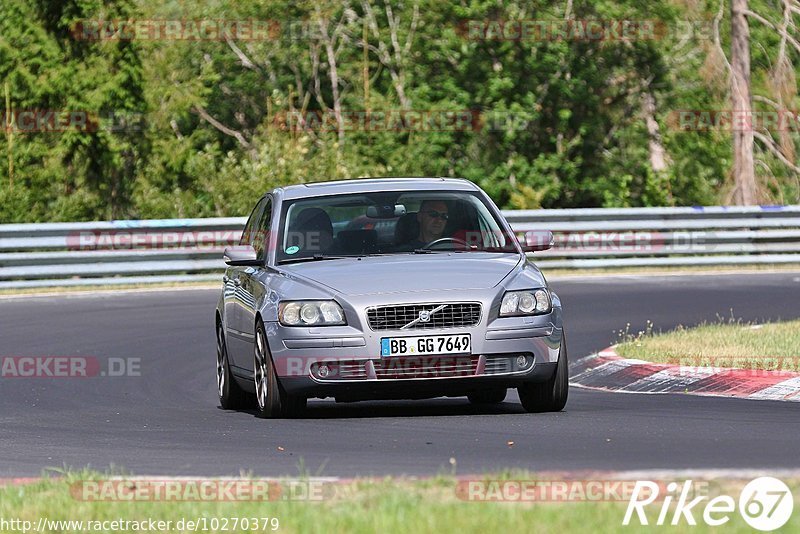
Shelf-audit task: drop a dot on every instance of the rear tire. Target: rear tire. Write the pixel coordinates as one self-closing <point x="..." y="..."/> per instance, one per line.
<point x="271" y="400"/>
<point x="488" y="396"/>
<point x="549" y="396"/>
<point x="231" y="396"/>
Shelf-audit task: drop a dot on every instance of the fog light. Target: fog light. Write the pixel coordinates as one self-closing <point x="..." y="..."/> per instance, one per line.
<point x="323" y="371"/>
<point x="522" y="361"/>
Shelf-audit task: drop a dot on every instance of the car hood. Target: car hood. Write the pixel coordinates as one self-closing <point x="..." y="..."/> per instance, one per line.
<point x="408" y="273"/>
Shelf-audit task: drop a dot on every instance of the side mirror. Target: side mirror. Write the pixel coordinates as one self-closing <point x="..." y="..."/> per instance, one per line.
<point x="241" y="256"/>
<point x="537" y="240"/>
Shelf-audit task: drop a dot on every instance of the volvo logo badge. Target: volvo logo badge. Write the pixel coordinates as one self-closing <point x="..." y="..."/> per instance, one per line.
<point x="424" y="316"/>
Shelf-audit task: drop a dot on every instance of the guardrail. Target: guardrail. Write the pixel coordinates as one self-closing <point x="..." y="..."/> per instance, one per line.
<point x="175" y="250"/>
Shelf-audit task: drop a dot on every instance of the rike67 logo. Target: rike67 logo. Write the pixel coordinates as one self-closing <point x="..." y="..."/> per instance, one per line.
<point x="765" y="504"/>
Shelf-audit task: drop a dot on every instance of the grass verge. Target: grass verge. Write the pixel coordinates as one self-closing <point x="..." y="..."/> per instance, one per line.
<point x="389" y="504"/>
<point x="66" y="290"/>
<point x="771" y="346"/>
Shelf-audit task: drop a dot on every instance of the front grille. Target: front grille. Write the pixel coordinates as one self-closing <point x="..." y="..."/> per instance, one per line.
<point x="425" y="367"/>
<point x="497" y="365"/>
<point x="451" y="315"/>
<point x="352" y="370"/>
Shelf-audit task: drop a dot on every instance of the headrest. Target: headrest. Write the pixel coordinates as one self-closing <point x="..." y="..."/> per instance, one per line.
<point x="407" y="228"/>
<point x="313" y="220"/>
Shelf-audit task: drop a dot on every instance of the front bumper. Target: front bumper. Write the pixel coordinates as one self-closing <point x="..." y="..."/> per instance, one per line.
<point x="415" y="388"/>
<point x="356" y="371"/>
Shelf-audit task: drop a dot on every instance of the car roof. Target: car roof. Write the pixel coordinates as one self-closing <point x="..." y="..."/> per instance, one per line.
<point x="366" y="185"/>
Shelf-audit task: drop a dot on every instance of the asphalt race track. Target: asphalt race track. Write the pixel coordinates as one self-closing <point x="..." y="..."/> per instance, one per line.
<point x="167" y="420"/>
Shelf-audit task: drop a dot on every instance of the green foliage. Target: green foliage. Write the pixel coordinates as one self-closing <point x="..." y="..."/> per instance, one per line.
<point x="69" y="174"/>
<point x="575" y="131"/>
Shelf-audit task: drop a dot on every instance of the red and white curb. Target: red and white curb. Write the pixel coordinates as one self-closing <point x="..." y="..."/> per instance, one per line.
<point x="607" y="370"/>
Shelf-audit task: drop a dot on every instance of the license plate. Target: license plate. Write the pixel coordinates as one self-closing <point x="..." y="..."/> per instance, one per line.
<point x="406" y="346"/>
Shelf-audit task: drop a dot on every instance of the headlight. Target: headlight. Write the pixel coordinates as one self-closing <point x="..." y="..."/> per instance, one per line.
<point x="535" y="302"/>
<point x="311" y="313"/>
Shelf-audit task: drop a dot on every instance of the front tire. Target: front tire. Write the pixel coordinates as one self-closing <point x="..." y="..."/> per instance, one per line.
<point x="549" y="396"/>
<point x="271" y="400"/>
<point x="231" y="396"/>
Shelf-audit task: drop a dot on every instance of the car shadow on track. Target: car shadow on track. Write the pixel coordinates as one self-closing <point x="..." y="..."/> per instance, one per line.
<point x="428" y="407"/>
<point x="328" y="409"/>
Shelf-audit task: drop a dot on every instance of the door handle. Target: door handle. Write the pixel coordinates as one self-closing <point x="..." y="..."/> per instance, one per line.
<point x="225" y="279"/>
<point x="237" y="282"/>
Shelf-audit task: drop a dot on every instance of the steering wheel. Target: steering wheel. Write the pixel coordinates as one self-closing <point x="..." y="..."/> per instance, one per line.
<point x="446" y="240"/>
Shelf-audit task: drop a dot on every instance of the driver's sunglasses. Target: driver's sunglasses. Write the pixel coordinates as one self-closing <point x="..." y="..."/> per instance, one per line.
<point x="433" y="214"/>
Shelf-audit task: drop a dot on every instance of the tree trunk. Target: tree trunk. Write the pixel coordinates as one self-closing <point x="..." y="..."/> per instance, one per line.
<point x="743" y="166"/>
<point x="658" y="154"/>
<point x="9" y="138"/>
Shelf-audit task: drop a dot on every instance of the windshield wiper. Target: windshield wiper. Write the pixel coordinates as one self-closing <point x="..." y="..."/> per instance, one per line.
<point x="315" y="257"/>
<point x="507" y="250"/>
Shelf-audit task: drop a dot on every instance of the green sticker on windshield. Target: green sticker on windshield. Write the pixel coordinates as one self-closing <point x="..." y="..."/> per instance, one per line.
<point x="292" y="250"/>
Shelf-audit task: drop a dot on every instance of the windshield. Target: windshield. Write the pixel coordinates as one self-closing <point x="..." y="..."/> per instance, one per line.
<point x="389" y="223"/>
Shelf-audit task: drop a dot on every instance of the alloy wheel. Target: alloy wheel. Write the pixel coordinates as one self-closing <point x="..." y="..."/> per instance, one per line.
<point x="221" y="362"/>
<point x="261" y="371"/>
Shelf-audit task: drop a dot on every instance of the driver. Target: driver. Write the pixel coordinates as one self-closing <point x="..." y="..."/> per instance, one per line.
<point x="432" y="218"/>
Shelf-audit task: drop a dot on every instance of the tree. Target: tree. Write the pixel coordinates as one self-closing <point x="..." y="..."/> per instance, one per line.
<point x="743" y="167"/>
<point x="83" y="170"/>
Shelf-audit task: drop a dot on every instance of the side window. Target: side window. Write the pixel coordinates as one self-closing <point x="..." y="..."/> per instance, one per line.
<point x="250" y="225"/>
<point x="261" y="236"/>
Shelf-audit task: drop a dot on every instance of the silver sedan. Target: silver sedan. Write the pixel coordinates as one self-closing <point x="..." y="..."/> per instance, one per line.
<point x="386" y="289"/>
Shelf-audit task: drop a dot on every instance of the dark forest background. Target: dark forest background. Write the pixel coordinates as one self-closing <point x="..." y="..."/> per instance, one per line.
<point x="192" y="128"/>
